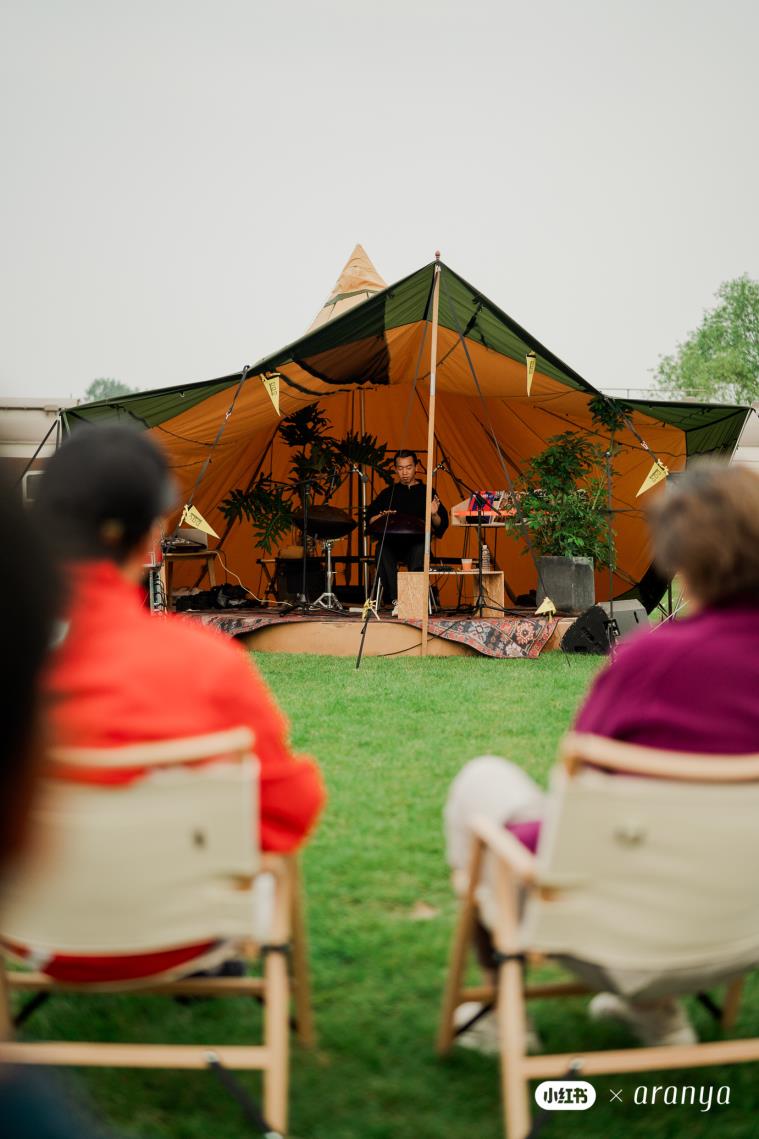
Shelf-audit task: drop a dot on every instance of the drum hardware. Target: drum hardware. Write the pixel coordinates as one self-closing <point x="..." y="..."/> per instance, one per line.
<point x="325" y="522"/>
<point x="328" y="600"/>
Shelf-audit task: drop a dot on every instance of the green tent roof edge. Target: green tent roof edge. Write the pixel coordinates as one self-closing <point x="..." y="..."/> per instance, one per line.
<point x="153" y="407"/>
<point x="318" y="339"/>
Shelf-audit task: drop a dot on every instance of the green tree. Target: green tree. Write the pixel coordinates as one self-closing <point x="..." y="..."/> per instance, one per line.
<point x="106" y="389"/>
<point x="720" y="359"/>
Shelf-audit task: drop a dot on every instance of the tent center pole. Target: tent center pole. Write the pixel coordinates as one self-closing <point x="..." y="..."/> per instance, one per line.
<point x="430" y="457"/>
<point x="364" y="536"/>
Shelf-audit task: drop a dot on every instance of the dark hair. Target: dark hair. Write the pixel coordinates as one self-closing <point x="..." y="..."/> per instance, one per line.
<point x="29" y="590"/>
<point x="405" y="455"/>
<point x="102" y="491"/>
<point x="705" y="524"/>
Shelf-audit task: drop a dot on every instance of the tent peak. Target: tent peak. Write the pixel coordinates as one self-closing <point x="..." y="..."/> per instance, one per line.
<point x="358" y="281"/>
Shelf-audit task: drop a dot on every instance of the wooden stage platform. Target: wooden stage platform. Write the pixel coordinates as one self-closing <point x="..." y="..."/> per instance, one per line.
<point x="513" y="636"/>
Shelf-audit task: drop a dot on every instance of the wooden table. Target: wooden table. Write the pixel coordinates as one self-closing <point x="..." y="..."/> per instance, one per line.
<point x="171" y="558"/>
<point x="411" y="599"/>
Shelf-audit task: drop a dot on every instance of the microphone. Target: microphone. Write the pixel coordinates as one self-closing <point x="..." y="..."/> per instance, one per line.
<point x="357" y="471"/>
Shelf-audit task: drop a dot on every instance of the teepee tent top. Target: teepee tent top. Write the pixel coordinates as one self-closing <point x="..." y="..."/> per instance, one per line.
<point x="358" y="281"/>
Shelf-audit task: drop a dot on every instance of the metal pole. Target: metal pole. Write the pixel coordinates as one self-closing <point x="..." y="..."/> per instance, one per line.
<point x="610" y="534"/>
<point x="364" y="547"/>
<point x="55" y="425"/>
<point x="430" y="457"/>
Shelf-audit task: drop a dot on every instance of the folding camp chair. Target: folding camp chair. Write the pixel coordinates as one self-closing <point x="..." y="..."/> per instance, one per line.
<point x="644" y="884"/>
<point x="168" y="859"/>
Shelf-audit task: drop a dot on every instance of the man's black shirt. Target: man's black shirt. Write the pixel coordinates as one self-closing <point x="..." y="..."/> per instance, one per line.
<point x="407" y="500"/>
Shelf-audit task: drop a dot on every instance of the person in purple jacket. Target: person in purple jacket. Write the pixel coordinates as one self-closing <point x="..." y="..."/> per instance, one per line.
<point x="690" y="685"/>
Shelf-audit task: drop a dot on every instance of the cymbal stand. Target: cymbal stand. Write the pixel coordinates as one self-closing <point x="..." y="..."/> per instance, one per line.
<point x="327" y="600"/>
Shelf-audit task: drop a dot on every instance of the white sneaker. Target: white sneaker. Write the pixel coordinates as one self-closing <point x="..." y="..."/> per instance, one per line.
<point x="482" y="1037"/>
<point x="395" y="609"/>
<point x="660" y="1022"/>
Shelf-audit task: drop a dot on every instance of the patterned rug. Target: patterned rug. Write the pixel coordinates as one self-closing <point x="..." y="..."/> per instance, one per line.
<point x="500" y="637"/>
<point x="503" y="637"/>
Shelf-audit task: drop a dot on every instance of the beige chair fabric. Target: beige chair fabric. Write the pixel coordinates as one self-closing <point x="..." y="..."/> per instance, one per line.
<point x="648" y="879"/>
<point x="138" y="868"/>
<point x="168" y="860"/>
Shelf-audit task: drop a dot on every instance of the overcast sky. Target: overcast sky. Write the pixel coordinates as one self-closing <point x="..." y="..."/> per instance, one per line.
<point x="182" y="181"/>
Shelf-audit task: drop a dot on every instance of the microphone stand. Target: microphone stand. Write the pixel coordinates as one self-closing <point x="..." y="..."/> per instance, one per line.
<point x="302" y="601"/>
<point x="612" y="630"/>
<point x="479" y="604"/>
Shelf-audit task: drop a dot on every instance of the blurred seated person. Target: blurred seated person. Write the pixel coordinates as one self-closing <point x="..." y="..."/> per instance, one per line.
<point x="405" y="497"/>
<point x="32" y="1104"/>
<point x="122" y="675"/>
<point x="689" y="685"/>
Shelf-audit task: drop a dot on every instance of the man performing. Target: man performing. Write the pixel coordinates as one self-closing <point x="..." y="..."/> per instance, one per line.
<point x="402" y="508"/>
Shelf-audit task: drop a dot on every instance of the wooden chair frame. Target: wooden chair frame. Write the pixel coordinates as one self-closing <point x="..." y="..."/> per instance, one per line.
<point x="284" y="963"/>
<point x="515" y="874"/>
<point x="284" y="969"/>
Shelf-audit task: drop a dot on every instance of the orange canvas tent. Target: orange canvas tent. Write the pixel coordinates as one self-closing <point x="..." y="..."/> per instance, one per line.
<point x="365" y="362"/>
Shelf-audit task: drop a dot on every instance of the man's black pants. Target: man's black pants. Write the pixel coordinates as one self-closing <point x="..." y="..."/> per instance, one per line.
<point x="409" y="551"/>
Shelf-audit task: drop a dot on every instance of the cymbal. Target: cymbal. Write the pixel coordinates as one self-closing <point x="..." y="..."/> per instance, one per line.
<point x="326" y="522"/>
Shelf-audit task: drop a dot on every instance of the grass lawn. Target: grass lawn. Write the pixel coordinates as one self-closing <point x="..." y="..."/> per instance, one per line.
<point x="390" y="738"/>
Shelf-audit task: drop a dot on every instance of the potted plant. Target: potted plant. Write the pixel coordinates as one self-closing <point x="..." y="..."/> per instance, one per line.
<point x="319" y="457"/>
<point x="562" y="503"/>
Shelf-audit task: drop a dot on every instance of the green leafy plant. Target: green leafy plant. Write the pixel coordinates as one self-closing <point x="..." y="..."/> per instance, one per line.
<point x="562" y="499"/>
<point x="317" y="457"/>
<point x="264" y="505"/>
<point x="606" y="412"/>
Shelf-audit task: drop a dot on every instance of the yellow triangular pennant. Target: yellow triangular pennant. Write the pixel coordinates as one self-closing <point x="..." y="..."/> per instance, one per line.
<point x="655" y="475"/>
<point x="271" y="383"/>
<point x="546" y="608"/>
<point x="531" y="362"/>
<point x="194" y="518"/>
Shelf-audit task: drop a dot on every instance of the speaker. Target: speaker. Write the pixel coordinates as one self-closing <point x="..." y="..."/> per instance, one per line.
<point x="289" y="579"/>
<point x="628" y="616"/>
<point x="589" y="634"/>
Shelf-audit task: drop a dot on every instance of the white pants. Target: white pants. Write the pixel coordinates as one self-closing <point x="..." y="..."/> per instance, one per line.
<point x="491" y="787"/>
<point x="499" y="791"/>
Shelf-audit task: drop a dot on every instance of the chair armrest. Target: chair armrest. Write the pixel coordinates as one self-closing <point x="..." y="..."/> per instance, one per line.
<point x="518" y="858"/>
<point x="578" y="749"/>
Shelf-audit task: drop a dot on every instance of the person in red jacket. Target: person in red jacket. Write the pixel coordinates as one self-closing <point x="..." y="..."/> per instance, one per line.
<point x="122" y="675"/>
<point x="34" y="1104"/>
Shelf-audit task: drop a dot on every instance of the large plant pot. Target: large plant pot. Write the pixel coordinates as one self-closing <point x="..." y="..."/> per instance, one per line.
<point x="569" y="582"/>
